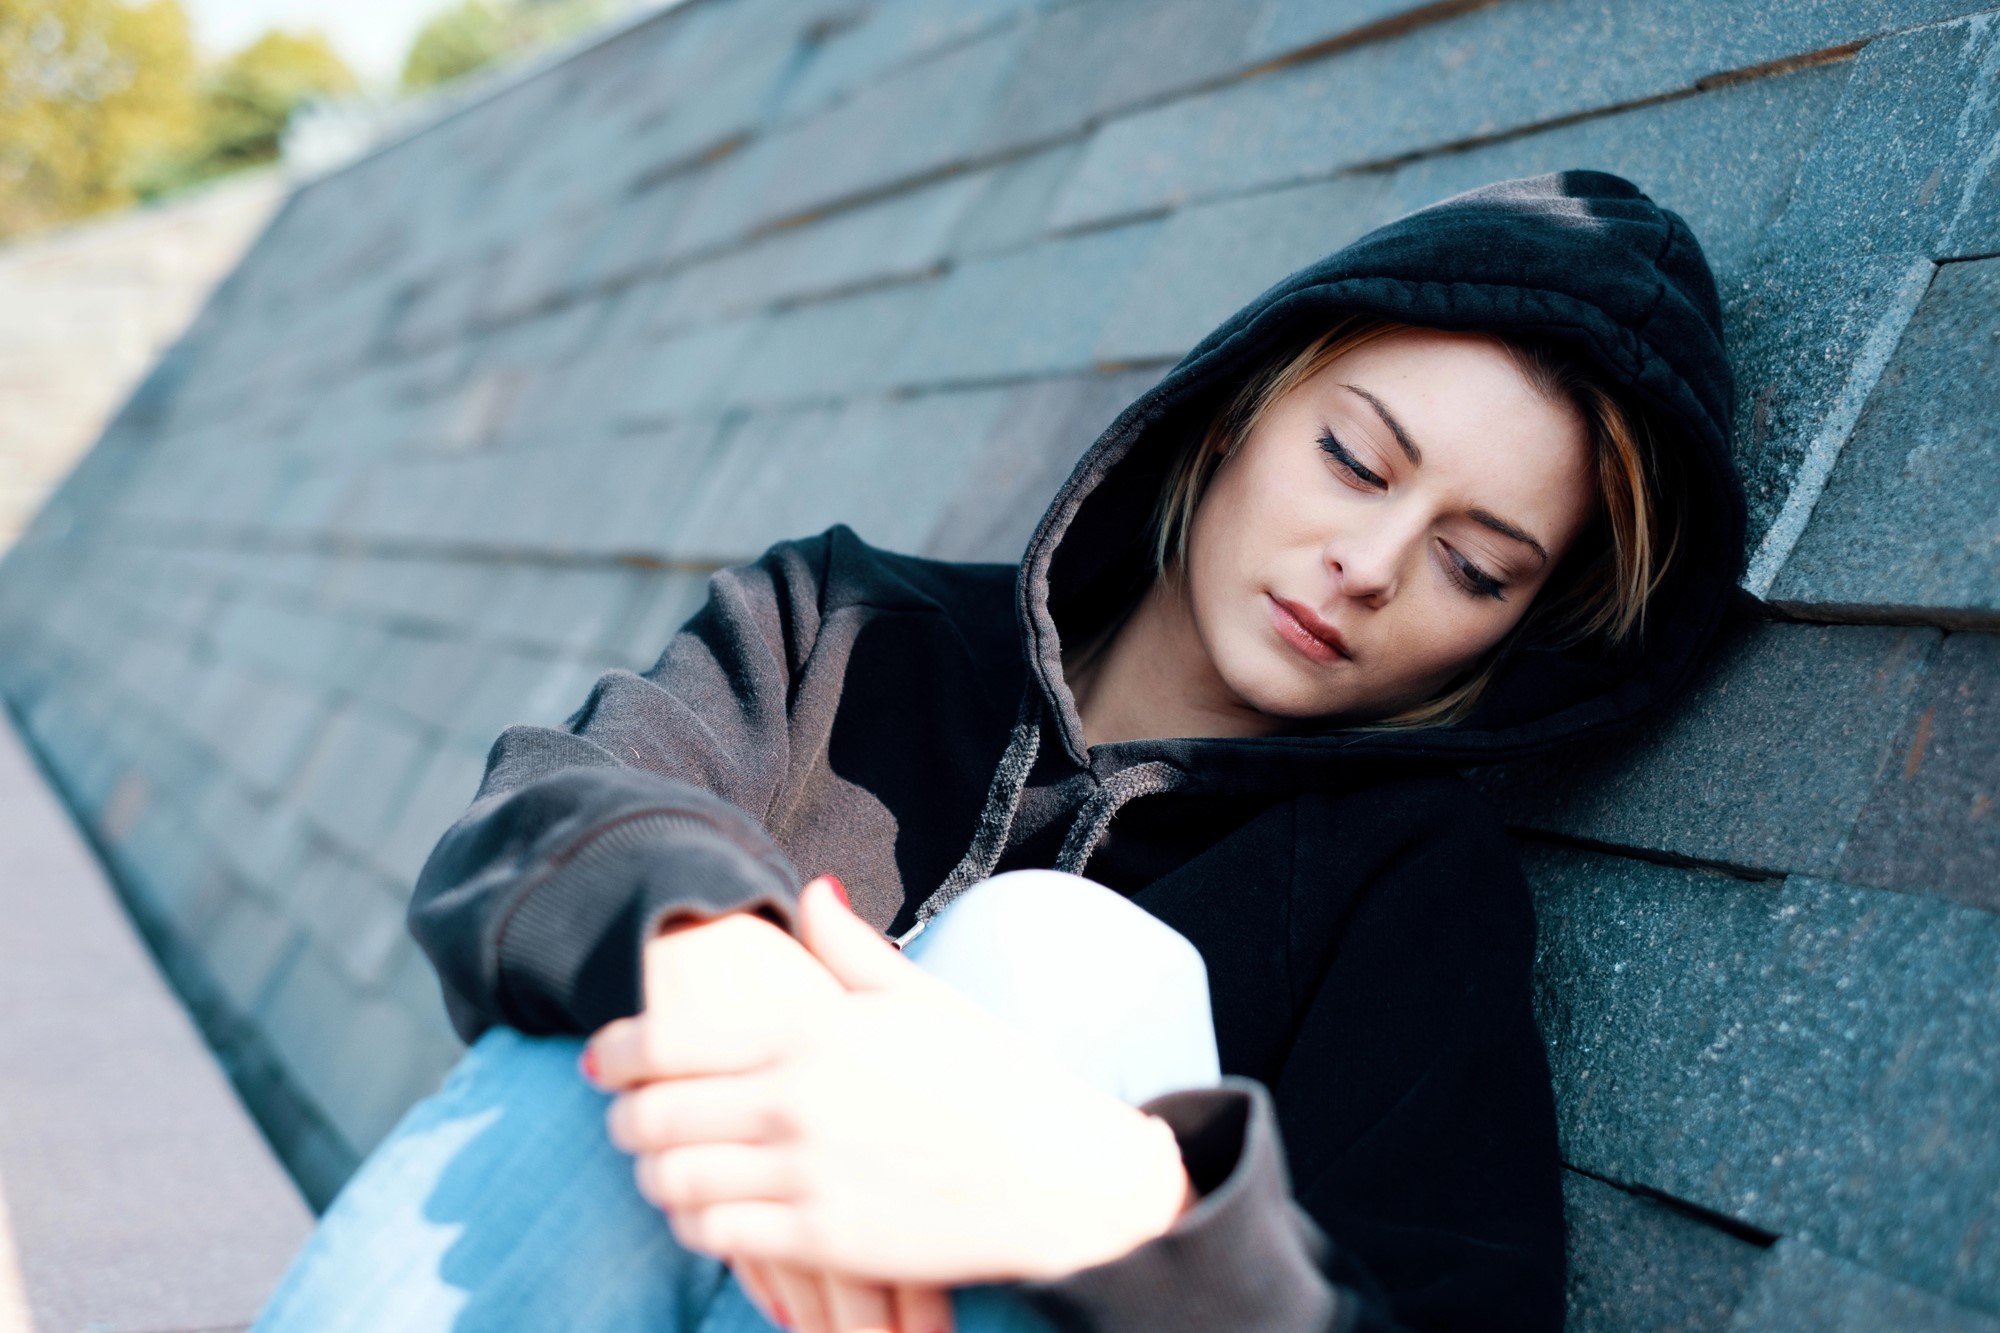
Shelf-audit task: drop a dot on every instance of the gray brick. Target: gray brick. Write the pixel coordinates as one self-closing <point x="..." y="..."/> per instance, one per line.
<point x="1800" y="1290"/>
<point x="656" y="475"/>
<point x="522" y="687"/>
<point x="246" y="949"/>
<point x="1014" y="201"/>
<point x="1766" y="767"/>
<point x="1930" y="823"/>
<point x="795" y="474"/>
<point x="440" y="796"/>
<point x="1911" y="144"/>
<point x="1210" y="261"/>
<point x="682" y="376"/>
<point x="1494" y="70"/>
<point x="352" y="915"/>
<point x="1809" y="342"/>
<point x="1289" y="26"/>
<point x="572" y="608"/>
<point x="357" y="776"/>
<point x="664" y="603"/>
<point x="830" y="350"/>
<point x="1812" y="1058"/>
<point x="895" y="33"/>
<point x="920" y="119"/>
<point x="1082" y="61"/>
<point x="1035" y="312"/>
<point x="1725" y="159"/>
<point x="1636" y="1263"/>
<point x="423" y="677"/>
<point x="1908" y="517"/>
<point x="1043" y="429"/>
<point x="356" y="1056"/>
<point x="278" y="725"/>
<point x="903" y="237"/>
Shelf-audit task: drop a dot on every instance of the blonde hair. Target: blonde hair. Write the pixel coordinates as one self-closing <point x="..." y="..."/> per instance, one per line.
<point x="1603" y="584"/>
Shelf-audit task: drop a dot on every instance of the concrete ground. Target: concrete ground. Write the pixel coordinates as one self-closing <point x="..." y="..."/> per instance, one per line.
<point x="136" y="1196"/>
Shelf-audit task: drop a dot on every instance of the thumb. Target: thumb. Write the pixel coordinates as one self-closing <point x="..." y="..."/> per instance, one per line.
<point x="850" y="948"/>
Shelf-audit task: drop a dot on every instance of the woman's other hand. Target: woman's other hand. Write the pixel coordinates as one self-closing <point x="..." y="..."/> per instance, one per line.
<point x="808" y="1302"/>
<point x="904" y="1136"/>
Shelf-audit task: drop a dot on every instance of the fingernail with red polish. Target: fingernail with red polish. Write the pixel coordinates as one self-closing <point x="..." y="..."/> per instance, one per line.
<point x="840" y="891"/>
<point x="587" y="1062"/>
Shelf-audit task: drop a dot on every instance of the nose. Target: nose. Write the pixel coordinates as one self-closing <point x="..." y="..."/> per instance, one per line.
<point x="1366" y="566"/>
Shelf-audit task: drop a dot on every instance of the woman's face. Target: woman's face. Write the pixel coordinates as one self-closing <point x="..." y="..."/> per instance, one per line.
<point x="1382" y="526"/>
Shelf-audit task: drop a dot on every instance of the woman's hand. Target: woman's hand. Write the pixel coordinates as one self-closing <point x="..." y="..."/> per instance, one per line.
<point x="897" y="1133"/>
<point x="717" y="993"/>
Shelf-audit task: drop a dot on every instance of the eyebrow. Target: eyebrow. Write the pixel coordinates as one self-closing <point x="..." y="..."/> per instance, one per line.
<point x="1415" y="455"/>
<point x="1484" y="517"/>
<point x="1506" y="529"/>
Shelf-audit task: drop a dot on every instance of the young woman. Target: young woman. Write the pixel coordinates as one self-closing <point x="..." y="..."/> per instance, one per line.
<point x="1458" y="493"/>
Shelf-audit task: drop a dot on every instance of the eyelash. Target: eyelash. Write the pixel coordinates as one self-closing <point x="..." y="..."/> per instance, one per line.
<point x="1473" y="580"/>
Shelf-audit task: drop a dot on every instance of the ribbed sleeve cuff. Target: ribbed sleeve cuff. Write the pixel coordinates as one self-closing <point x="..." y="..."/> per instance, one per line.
<point x="1244" y="1258"/>
<point x="570" y="949"/>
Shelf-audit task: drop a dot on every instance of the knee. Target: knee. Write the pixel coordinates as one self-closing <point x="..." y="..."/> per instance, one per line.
<point x="1056" y="925"/>
<point x="1112" y="990"/>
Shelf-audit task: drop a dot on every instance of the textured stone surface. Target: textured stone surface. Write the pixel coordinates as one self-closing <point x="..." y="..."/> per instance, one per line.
<point x="1799" y="1290"/>
<point x="1930" y="821"/>
<point x="1635" y="1263"/>
<point x="1701" y="1028"/>
<point x="1903" y="158"/>
<point x="1812" y="336"/>
<point x="1496" y="69"/>
<point x="1911" y="513"/>
<point x="479" y="414"/>
<point x="1721" y="779"/>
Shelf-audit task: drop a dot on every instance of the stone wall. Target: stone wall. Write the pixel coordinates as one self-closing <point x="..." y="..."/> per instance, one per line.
<point x="478" y="413"/>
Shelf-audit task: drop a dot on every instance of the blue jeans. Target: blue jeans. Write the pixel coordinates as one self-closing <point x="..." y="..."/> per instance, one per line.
<point x="499" y="1204"/>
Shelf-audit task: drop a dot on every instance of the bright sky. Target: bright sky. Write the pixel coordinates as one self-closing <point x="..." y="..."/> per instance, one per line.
<point x="372" y="35"/>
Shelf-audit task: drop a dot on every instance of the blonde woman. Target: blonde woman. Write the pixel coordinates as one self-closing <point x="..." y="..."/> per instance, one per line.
<point x="1214" y="1006"/>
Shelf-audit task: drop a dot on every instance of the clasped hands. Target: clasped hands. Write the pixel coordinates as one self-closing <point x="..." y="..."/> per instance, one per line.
<point x="854" y="1137"/>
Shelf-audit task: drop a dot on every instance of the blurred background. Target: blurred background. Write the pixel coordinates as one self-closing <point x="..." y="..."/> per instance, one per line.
<point x="374" y="376"/>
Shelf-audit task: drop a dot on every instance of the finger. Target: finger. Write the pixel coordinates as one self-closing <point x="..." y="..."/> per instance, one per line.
<point x="682" y="1112"/>
<point x="858" y="957"/>
<point x="801" y="1303"/>
<point x="753" y="1275"/>
<point x="858" y="1307"/>
<point x="715" y="1173"/>
<point x="923" y="1310"/>
<point x="616" y="1056"/>
<point x="753" y="1229"/>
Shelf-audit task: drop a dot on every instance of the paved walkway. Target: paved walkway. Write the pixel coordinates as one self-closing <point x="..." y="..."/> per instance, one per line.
<point x="135" y="1194"/>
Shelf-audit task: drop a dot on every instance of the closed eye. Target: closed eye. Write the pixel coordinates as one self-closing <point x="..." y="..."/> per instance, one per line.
<point x="1338" y="452"/>
<point x="1470" y="577"/>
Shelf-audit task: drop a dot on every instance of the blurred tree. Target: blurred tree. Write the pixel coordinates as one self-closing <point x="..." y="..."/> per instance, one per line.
<point x="93" y="93"/>
<point x="479" y="33"/>
<point x="249" y="98"/>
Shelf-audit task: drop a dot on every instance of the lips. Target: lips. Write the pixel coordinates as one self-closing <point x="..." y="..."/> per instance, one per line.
<point x="1299" y="626"/>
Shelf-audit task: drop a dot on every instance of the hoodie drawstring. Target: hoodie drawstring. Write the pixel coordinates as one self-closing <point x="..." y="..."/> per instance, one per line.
<point x="996" y="821"/>
<point x="1127" y="784"/>
<point x="1003" y="799"/>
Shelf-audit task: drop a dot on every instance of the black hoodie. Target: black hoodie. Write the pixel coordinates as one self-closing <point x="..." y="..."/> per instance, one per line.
<point x="1383" y="1154"/>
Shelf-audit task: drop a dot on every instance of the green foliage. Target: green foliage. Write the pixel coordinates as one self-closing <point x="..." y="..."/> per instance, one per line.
<point x="247" y="101"/>
<point x="479" y="33"/>
<point x="92" y="92"/>
<point x="102" y="102"/>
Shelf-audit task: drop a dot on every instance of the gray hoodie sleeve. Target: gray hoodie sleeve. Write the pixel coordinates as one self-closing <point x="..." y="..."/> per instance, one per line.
<point x="648" y="803"/>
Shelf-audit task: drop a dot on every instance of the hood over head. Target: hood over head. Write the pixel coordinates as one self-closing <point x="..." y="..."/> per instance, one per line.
<point x="1580" y="257"/>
